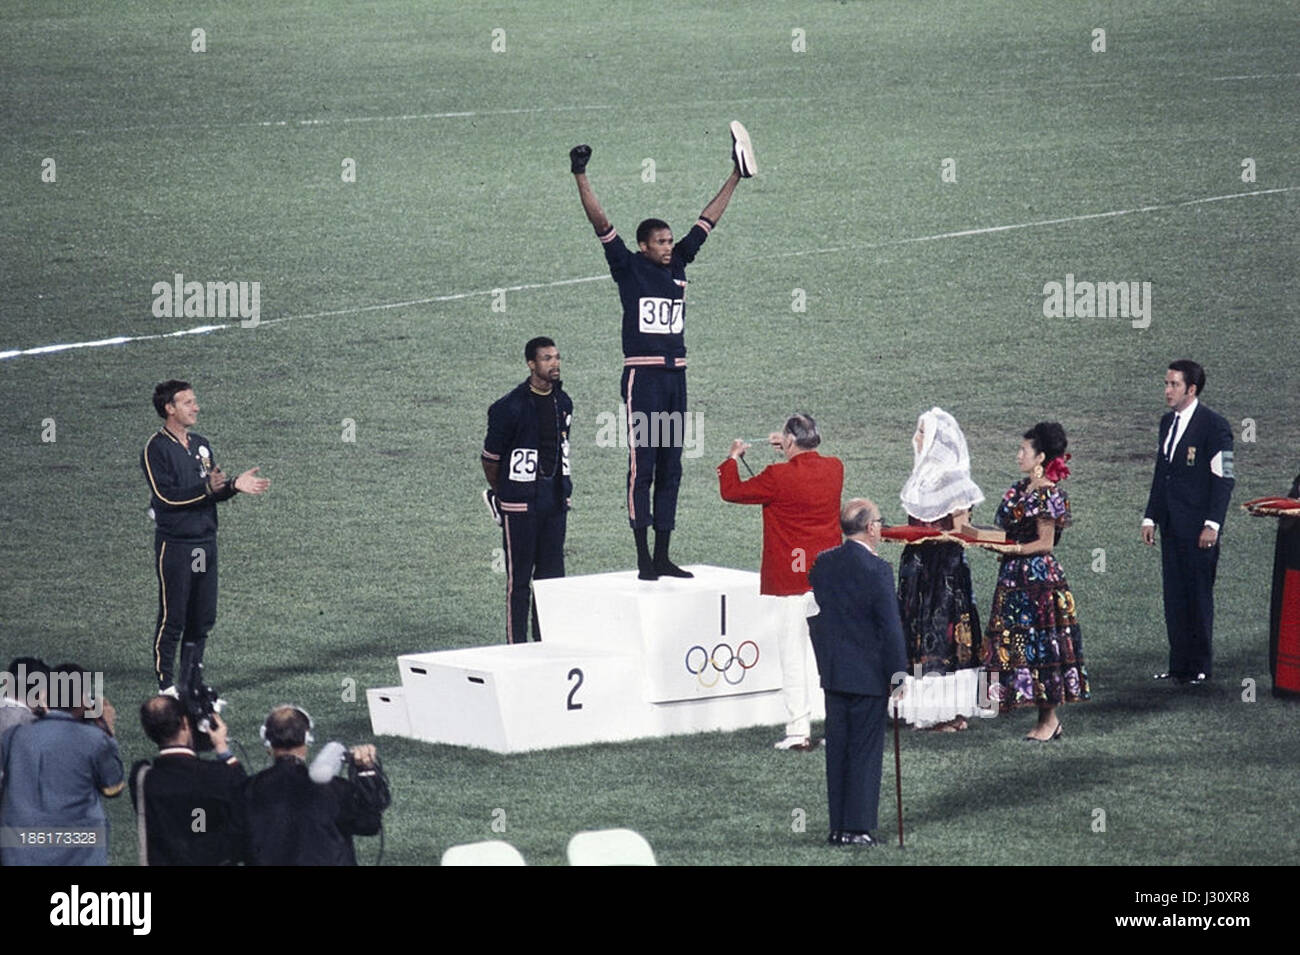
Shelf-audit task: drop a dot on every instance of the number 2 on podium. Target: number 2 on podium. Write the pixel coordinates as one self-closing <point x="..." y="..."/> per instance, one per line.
<point x="572" y="673"/>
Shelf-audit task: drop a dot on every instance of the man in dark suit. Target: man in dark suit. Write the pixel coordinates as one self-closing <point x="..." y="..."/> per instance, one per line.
<point x="858" y="638"/>
<point x="187" y="803"/>
<point x="290" y="816"/>
<point x="1189" y="500"/>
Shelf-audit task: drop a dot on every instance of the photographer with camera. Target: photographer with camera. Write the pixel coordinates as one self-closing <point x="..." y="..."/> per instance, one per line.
<point x="185" y="805"/>
<point x="57" y="771"/>
<point x="294" y="815"/>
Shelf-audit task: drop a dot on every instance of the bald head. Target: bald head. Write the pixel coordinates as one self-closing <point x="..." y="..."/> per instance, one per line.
<point x="287" y="728"/>
<point x="163" y="721"/>
<point x="860" y="520"/>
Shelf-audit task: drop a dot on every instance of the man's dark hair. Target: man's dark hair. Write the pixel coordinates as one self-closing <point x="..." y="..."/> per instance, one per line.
<point x="61" y="680"/>
<point x="535" y="345"/>
<point x="1048" y="439"/>
<point x="648" y="226"/>
<point x="165" y="392"/>
<point x="803" y="429"/>
<point x="162" y="718"/>
<point x="287" y="727"/>
<point x="32" y="667"/>
<point x="1193" y="374"/>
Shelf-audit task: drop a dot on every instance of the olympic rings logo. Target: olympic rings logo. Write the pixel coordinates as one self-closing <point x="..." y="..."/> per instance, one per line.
<point x="738" y="662"/>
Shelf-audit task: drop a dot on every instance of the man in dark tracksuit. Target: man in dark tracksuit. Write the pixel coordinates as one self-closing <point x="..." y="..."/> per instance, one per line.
<point x="652" y="288"/>
<point x="185" y="485"/>
<point x="526" y="461"/>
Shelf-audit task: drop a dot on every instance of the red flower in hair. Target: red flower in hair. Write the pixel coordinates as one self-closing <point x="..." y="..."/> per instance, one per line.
<point x="1056" y="469"/>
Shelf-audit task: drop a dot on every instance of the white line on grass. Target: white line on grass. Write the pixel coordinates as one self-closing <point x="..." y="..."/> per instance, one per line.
<point x="204" y="329"/>
<point x="1037" y="222"/>
<point x="454" y="297"/>
<point x="457" y="296"/>
<point x="461" y="114"/>
<point x="1252" y="76"/>
<point x="118" y="340"/>
<point x="402" y="117"/>
<point x="407" y="117"/>
<point x="341" y="120"/>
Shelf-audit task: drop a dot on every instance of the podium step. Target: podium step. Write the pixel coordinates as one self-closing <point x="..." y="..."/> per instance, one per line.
<point x="621" y="658"/>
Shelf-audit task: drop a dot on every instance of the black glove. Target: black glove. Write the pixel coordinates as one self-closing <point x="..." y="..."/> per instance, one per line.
<point x="579" y="156"/>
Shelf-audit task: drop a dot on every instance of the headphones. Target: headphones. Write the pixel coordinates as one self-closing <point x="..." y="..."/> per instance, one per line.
<point x="281" y="742"/>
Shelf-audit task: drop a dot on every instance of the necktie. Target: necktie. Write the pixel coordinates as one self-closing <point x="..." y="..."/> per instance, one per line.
<point x="1173" y="435"/>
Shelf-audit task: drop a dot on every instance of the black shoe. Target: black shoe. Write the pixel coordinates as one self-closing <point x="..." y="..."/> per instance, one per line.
<point x="857" y="839"/>
<point x="1056" y="735"/>
<point x="662" y="565"/>
<point x="666" y="568"/>
<point x="1197" y="680"/>
<point x="1163" y="676"/>
<point x="836" y="838"/>
<point x="644" y="563"/>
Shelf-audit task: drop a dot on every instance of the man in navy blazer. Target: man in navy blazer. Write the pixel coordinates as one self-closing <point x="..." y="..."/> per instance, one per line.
<point x="1189" y="500"/>
<point x="858" y="639"/>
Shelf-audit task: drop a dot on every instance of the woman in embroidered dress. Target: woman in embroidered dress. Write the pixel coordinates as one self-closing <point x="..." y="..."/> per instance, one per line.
<point x="1033" y="649"/>
<point x="941" y="626"/>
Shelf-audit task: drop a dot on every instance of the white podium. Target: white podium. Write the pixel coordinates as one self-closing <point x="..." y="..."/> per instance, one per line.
<point x="621" y="658"/>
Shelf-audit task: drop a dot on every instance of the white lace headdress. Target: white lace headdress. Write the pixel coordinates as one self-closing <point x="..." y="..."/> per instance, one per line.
<point x="940" y="483"/>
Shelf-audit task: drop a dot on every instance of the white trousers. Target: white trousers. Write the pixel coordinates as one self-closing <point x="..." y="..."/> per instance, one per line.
<point x="800" y="681"/>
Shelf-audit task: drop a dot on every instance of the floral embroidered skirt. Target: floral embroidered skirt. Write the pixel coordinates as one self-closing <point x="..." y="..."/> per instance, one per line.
<point x="1033" y="649"/>
<point x="941" y="630"/>
<point x="937" y="607"/>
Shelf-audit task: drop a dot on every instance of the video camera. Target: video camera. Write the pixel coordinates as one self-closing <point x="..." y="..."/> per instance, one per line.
<point x="201" y="703"/>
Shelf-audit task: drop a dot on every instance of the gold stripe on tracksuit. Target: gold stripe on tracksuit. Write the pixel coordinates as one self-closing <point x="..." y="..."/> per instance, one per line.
<point x="157" y="637"/>
<point x="154" y="484"/>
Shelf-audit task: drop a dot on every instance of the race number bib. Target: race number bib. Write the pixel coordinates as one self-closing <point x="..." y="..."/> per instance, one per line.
<point x="661" y="316"/>
<point x="523" y="464"/>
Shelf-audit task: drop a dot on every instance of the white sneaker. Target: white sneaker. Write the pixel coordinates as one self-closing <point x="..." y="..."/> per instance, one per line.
<point x="742" y="151"/>
<point x="170" y="690"/>
<point x="793" y="742"/>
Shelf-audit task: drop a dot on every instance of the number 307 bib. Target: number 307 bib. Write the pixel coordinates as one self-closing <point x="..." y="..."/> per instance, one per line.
<point x="661" y="316"/>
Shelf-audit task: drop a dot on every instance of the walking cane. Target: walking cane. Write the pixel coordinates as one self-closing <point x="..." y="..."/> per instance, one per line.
<point x="898" y="779"/>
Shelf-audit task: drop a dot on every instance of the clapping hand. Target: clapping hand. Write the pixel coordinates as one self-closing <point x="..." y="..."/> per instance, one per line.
<point x="250" y="483"/>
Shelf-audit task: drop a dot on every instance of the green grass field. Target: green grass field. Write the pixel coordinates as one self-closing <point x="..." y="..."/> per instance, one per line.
<point x="377" y="306"/>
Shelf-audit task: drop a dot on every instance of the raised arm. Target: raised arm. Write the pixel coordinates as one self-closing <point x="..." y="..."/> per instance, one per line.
<point x="761" y="489"/>
<point x="578" y="158"/>
<point x="718" y="204"/>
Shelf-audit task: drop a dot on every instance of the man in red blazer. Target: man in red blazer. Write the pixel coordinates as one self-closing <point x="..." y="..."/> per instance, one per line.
<point x="801" y="518"/>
